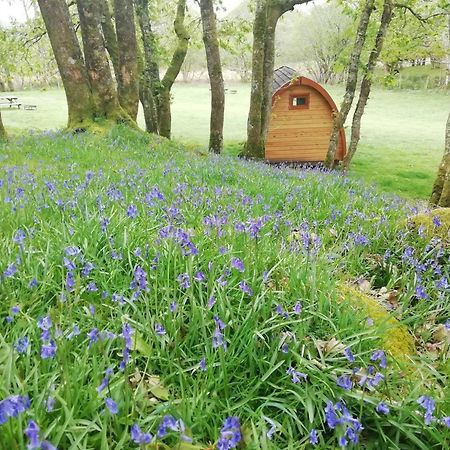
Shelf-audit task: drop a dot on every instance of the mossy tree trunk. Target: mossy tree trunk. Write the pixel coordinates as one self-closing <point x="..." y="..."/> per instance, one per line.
<point x="128" y="81"/>
<point x="214" y="64"/>
<point x="2" y="129"/>
<point x="164" y="113"/>
<point x="109" y="34"/>
<point x="441" y="189"/>
<point x="100" y="77"/>
<point x="352" y="79"/>
<point x="267" y="14"/>
<point x="366" y="83"/>
<point x="150" y="82"/>
<point x="69" y="59"/>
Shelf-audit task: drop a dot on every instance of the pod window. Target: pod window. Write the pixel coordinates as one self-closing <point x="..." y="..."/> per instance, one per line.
<point x="299" y="101"/>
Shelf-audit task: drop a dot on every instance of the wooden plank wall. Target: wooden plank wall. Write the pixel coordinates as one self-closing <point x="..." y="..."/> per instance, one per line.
<point x="299" y="134"/>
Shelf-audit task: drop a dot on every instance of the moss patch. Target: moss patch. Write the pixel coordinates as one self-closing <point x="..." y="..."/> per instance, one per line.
<point x="427" y="222"/>
<point x="395" y="337"/>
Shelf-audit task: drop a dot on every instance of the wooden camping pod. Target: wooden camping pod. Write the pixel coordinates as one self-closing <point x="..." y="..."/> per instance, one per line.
<point x="301" y="120"/>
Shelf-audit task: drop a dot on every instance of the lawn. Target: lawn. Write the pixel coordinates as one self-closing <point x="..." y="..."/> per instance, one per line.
<point x="402" y="133"/>
<point x="158" y="298"/>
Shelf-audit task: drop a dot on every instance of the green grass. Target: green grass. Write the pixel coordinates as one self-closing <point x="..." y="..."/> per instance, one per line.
<point x="208" y="257"/>
<point x="402" y="132"/>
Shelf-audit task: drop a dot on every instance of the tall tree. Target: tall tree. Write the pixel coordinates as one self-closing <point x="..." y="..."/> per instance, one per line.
<point x="214" y="64"/>
<point x="70" y="61"/>
<point x="441" y="188"/>
<point x="128" y="81"/>
<point x="150" y="81"/>
<point x="366" y="83"/>
<point x="110" y="36"/>
<point x="2" y="128"/>
<point x="179" y="55"/>
<point x="352" y="79"/>
<point x="97" y="63"/>
<point x="267" y="14"/>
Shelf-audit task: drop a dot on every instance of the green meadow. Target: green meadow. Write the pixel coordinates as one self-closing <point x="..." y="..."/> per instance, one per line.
<point x="402" y="131"/>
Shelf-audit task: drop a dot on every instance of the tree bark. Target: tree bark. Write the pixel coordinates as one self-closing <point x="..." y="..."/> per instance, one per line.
<point x="109" y="34"/>
<point x="352" y="80"/>
<point x="150" y="82"/>
<point x="441" y="189"/>
<point x="128" y="81"/>
<point x="267" y="15"/>
<point x="102" y="84"/>
<point x="69" y="60"/>
<point x="2" y="129"/>
<point x="164" y="113"/>
<point x="214" y="64"/>
<point x="366" y="83"/>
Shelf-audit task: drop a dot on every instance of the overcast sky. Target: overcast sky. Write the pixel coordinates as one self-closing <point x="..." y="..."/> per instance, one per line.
<point x="13" y="9"/>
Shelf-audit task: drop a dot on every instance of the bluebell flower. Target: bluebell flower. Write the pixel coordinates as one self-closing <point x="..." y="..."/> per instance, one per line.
<point x="184" y="280"/>
<point x="237" y="264"/>
<point x="92" y="309"/>
<point x="15" y="310"/>
<point x="160" y="330"/>
<point x="87" y="269"/>
<point x="167" y="423"/>
<point x="273" y="428"/>
<point x="379" y="355"/>
<point x="313" y="437"/>
<point x="13" y="406"/>
<point x="75" y="332"/>
<point x="297" y="308"/>
<point x="428" y="404"/>
<point x="230" y="434"/>
<point x="382" y="408"/>
<point x="202" y="365"/>
<point x="93" y="336"/>
<point x="245" y="288"/>
<point x="138" y="437"/>
<point x="72" y="251"/>
<point x="22" y="344"/>
<point x="296" y="377"/>
<point x="48" y="351"/>
<point x="103" y="385"/>
<point x="33" y="283"/>
<point x="10" y="271"/>
<point x="212" y="302"/>
<point x="32" y="433"/>
<point x="19" y="237"/>
<point x="330" y="416"/>
<point x="173" y="307"/>
<point x="446" y="421"/>
<point x="421" y="293"/>
<point x="281" y="312"/>
<point x="437" y="221"/>
<point x="349" y="355"/>
<point x="132" y="212"/>
<point x="70" y="282"/>
<point x="344" y="382"/>
<point x="111" y="405"/>
<point x="50" y="404"/>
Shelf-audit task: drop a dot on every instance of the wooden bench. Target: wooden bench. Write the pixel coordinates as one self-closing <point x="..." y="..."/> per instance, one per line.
<point x="11" y="104"/>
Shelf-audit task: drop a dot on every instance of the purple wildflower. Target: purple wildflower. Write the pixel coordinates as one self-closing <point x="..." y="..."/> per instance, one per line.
<point x="379" y="355"/>
<point x="344" y="382"/>
<point x="428" y="404"/>
<point x="32" y="433"/>
<point x="230" y="434"/>
<point x="245" y="288"/>
<point x="349" y="355"/>
<point x="50" y="404"/>
<point x="138" y="437"/>
<point x="132" y="212"/>
<point x="167" y="423"/>
<point x="296" y="377"/>
<point x="313" y="437"/>
<point x="382" y="408"/>
<point x="10" y="271"/>
<point x="297" y="308"/>
<point x="446" y="421"/>
<point x="13" y="406"/>
<point x="202" y="365"/>
<point x="93" y="336"/>
<point x="33" y="283"/>
<point x="22" y="344"/>
<point x="48" y="351"/>
<point x="160" y="330"/>
<point x="184" y="280"/>
<point x="111" y="405"/>
<point x="237" y="264"/>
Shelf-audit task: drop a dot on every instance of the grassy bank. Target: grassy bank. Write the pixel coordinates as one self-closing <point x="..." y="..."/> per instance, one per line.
<point x="402" y="134"/>
<point x="157" y="298"/>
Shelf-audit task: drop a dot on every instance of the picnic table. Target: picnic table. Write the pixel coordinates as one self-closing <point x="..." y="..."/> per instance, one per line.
<point x="10" y="101"/>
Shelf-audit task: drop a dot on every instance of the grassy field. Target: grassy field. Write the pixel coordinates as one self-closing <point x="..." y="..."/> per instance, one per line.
<point x="157" y="298"/>
<point x="402" y="134"/>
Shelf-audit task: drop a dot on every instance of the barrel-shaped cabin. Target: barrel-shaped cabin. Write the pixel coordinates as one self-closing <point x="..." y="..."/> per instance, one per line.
<point x="301" y="120"/>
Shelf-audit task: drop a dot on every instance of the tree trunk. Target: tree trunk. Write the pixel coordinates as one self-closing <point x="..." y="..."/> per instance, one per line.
<point x="165" y="115"/>
<point x="255" y="146"/>
<point x="109" y="34"/>
<point x="102" y="84"/>
<point x="2" y="129"/>
<point x="215" y="75"/>
<point x="352" y="80"/>
<point x="263" y="58"/>
<point x="150" y="82"/>
<point x="128" y="82"/>
<point x="441" y="189"/>
<point x="366" y="83"/>
<point x="70" y="61"/>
